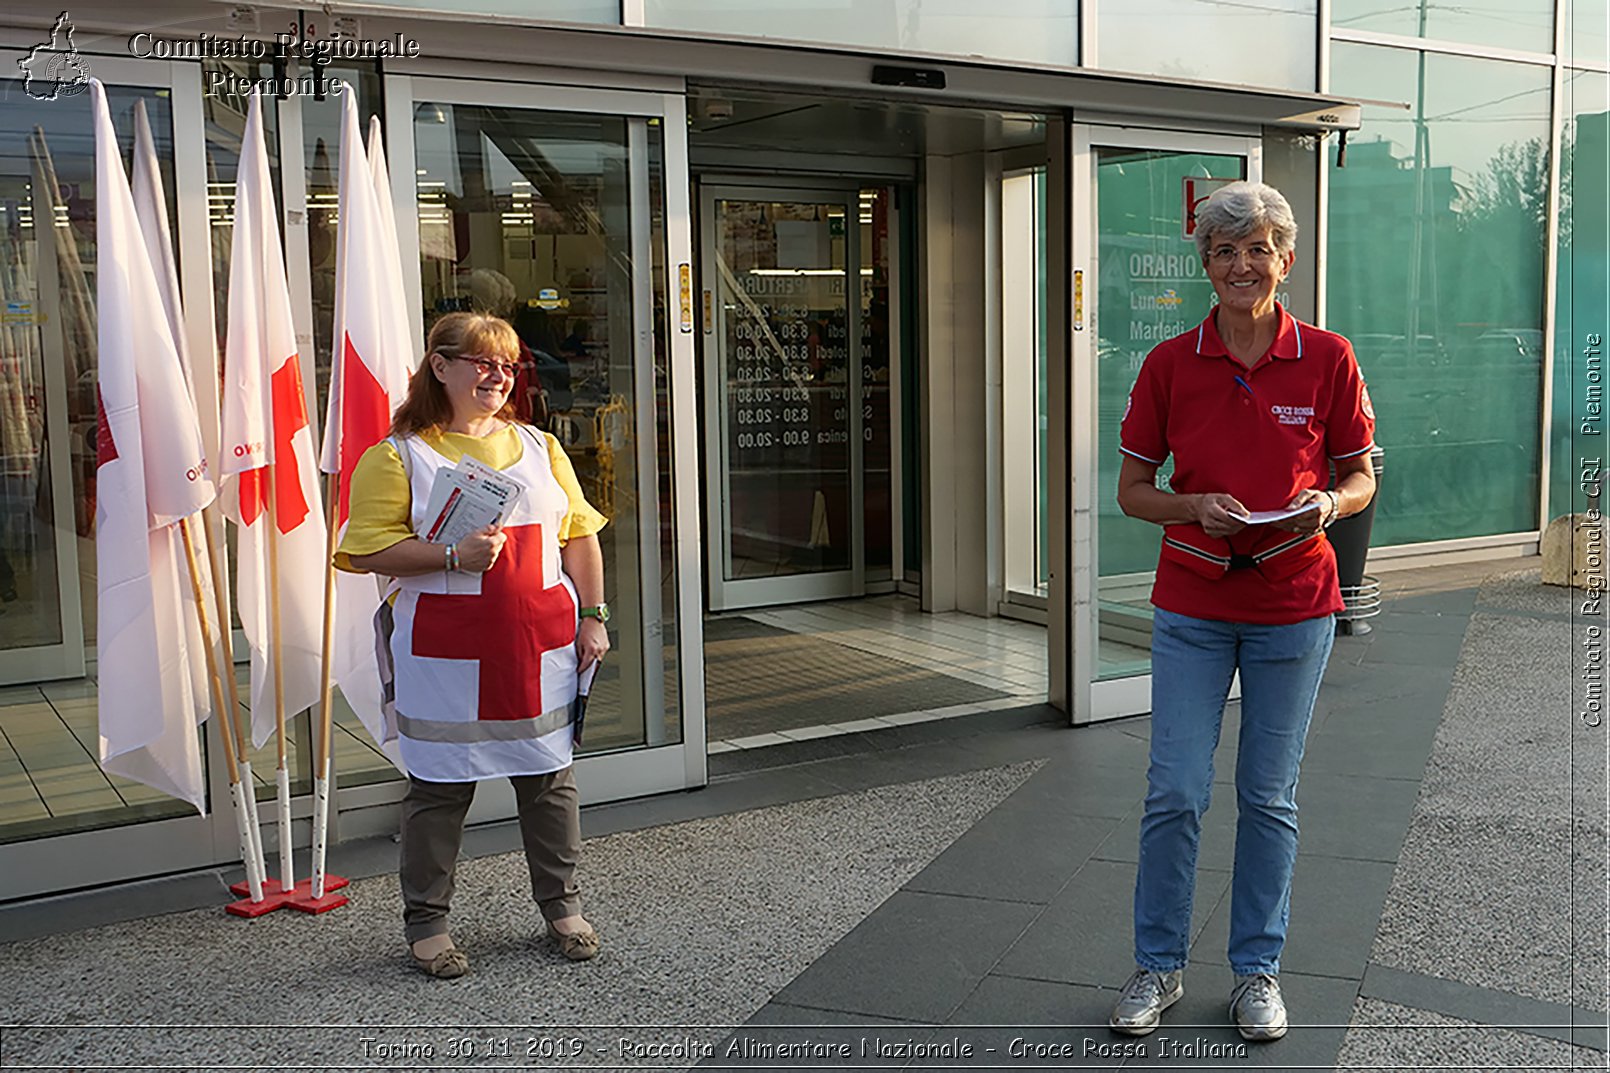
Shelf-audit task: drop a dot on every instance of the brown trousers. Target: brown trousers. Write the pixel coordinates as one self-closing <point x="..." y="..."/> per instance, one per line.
<point x="433" y="830"/>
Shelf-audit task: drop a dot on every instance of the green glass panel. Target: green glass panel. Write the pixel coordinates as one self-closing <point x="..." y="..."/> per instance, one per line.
<point x="1522" y="24"/>
<point x="1580" y="327"/>
<point x="1436" y="275"/>
<point x="1586" y="26"/>
<point x="1150" y="286"/>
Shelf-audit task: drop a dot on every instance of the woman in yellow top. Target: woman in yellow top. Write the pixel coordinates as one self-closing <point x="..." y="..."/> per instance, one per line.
<point x="487" y="635"/>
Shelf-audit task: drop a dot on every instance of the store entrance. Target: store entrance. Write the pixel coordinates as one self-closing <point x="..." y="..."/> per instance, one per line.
<point x="834" y="414"/>
<point x="796" y="293"/>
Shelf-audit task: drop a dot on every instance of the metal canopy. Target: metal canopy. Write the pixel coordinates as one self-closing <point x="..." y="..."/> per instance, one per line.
<point x="501" y="47"/>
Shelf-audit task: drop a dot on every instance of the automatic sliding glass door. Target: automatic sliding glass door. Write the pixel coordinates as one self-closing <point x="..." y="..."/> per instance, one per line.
<point x="563" y="212"/>
<point x="784" y="421"/>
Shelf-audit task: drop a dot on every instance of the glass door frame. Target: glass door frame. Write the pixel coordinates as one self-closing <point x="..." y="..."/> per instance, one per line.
<point x="723" y="594"/>
<point x="1092" y="700"/>
<point x="144" y="847"/>
<point x="656" y="767"/>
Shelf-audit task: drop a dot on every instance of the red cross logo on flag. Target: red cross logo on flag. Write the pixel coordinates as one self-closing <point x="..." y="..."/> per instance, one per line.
<point x="507" y="627"/>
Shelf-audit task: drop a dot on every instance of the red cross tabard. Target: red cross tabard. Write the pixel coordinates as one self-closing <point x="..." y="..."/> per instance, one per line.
<point x="508" y="627"/>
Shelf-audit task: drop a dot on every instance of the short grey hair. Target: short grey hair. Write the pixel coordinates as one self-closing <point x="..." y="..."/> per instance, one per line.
<point x="1242" y="208"/>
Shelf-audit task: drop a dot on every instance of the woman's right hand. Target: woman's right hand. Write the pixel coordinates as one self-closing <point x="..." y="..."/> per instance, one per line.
<point x="479" y="551"/>
<point x="1220" y="514"/>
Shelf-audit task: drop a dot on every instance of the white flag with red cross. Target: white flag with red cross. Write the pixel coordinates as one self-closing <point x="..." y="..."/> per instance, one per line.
<point x="368" y="379"/>
<point x="266" y="444"/>
<point x="151" y="208"/>
<point x="150" y="473"/>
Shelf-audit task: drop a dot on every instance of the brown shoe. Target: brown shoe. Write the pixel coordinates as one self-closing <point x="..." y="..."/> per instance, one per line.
<point x="577" y="946"/>
<point x="450" y="964"/>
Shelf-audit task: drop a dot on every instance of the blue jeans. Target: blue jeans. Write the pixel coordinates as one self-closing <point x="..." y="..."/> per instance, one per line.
<point x="1192" y="663"/>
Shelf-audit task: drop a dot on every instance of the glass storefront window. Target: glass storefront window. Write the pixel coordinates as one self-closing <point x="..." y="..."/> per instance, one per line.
<point x="1150" y="287"/>
<point x="1256" y="43"/>
<point x="1033" y="31"/>
<point x="50" y="780"/>
<point x="1587" y="25"/>
<point x="875" y="206"/>
<point x="1436" y="275"/>
<point x="555" y="221"/>
<point x="1581" y="285"/>
<point x="1521" y="24"/>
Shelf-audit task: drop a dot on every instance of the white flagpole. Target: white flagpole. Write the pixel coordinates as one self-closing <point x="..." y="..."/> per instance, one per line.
<point x="321" y="741"/>
<point x="282" y="774"/>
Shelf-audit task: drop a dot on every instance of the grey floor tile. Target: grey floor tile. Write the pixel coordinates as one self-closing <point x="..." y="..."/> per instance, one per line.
<point x="1481" y="1005"/>
<point x="1106" y="791"/>
<point x="1335" y="906"/>
<point x="1019" y="1022"/>
<point x="1196" y="1031"/>
<point x="1086" y="936"/>
<point x="1349" y="744"/>
<point x="1025" y="850"/>
<point x="1354" y="816"/>
<point x="915" y="958"/>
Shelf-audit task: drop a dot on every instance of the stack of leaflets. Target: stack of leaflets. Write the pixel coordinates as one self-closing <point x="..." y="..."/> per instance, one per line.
<point x="467" y="499"/>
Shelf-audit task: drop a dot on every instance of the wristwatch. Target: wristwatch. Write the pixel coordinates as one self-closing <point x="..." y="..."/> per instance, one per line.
<point x="1335" y="509"/>
<point x="600" y="612"/>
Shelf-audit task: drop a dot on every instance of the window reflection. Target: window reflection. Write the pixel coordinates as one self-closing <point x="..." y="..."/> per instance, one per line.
<point x="1249" y="43"/>
<point x="1583" y="279"/>
<point x="555" y="221"/>
<point x="1523" y="24"/>
<point x="1436" y="275"/>
<point x="50" y="780"/>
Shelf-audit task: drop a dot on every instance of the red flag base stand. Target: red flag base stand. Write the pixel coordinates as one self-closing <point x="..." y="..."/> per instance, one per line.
<point x="298" y="897"/>
<point x="272" y="900"/>
<point x="306" y="903"/>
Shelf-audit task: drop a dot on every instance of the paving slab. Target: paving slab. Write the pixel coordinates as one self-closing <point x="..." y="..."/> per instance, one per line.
<point x="939" y="947"/>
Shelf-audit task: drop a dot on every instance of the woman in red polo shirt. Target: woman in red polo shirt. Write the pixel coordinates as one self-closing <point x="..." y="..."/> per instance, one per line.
<point x="1255" y="408"/>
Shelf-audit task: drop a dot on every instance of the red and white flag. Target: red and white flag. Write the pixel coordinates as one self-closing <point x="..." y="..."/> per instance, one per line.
<point x="150" y="474"/>
<point x="151" y="209"/>
<point x="369" y="377"/>
<point x="266" y="442"/>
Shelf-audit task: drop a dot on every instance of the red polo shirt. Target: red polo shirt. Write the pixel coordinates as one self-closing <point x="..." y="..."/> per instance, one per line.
<point x="1261" y="434"/>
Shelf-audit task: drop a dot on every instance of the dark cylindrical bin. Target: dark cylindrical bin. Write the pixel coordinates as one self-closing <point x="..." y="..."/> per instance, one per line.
<point x="1351" y="538"/>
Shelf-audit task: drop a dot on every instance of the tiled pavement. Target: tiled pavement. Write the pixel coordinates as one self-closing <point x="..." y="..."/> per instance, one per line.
<point x="1448" y="907"/>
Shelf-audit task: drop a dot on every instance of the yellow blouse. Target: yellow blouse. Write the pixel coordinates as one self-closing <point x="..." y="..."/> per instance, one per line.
<point x="381" y="503"/>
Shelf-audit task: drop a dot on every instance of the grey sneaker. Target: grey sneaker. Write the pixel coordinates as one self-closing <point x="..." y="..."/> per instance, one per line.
<point x="1143" y="999"/>
<point x="1256" y="1007"/>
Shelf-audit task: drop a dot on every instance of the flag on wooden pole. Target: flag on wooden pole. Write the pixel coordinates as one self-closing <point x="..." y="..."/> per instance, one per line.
<point x="269" y="468"/>
<point x="204" y="598"/>
<point x="151" y="473"/>
<point x="266" y="444"/>
<point x="151" y="210"/>
<point x="374" y="353"/>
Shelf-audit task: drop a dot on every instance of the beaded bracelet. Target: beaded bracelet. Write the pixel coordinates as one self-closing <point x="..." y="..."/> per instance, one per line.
<point x="450" y="557"/>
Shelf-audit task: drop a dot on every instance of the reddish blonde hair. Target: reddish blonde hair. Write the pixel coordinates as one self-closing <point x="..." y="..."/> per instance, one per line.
<point x="454" y="335"/>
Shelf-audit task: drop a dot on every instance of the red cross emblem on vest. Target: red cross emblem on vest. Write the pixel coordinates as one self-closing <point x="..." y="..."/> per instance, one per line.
<point x="507" y="627"/>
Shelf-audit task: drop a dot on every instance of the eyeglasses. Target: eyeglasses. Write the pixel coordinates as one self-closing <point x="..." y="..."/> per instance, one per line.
<point x="488" y="366"/>
<point x="1257" y="254"/>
